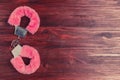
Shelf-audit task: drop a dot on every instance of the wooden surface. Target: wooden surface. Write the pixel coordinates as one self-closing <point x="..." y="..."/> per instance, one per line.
<point x="77" y="39"/>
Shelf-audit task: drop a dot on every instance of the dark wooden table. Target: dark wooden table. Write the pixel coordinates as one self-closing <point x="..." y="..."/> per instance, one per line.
<point x="77" y="39"/>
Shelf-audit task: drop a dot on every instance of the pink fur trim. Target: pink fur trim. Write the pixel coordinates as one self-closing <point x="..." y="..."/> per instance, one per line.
<point x="31" y="53"/>
<point x="21" y="11"/>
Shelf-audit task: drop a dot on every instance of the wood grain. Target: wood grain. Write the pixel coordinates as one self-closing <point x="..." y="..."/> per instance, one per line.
<point x="77" y="39"/>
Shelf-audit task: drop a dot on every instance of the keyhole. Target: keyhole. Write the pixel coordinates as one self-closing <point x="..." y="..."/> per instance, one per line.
<point x="24" y="21"/>
<point x="26" y="60"/>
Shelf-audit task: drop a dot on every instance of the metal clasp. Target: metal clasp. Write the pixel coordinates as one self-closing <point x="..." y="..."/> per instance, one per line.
<point x="19" y="31"/>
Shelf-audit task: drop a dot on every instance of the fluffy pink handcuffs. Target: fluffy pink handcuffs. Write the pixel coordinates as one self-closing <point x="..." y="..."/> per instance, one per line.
<point x="26" y="51"/>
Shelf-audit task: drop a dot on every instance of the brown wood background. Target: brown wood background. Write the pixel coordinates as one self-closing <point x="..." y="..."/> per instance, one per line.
<point x="77" y="39"/>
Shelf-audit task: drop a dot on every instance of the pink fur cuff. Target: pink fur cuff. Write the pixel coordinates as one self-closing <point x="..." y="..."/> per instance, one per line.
<point x="21" y="11"/>
<point x="29" y="52"/>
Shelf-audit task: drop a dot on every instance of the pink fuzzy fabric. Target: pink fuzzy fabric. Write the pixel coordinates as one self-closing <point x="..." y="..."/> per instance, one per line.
<point x="28" y="52"/>
<point x="21" y="11"/>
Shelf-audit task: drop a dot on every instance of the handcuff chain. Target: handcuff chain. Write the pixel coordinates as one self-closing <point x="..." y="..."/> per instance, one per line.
<point x="15" y="42"/>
